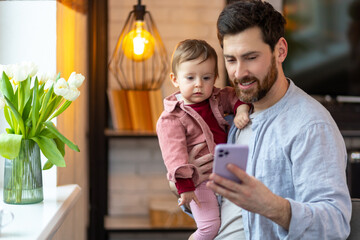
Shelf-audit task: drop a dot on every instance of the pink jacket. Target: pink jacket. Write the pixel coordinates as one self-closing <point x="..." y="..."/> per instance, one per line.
<point x="180" y="128"/>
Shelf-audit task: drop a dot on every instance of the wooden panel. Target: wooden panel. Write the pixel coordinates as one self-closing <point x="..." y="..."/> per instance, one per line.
<point x="73" y="123"/>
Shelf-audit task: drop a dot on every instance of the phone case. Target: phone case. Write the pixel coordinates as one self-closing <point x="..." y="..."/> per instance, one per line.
<point x="230" y="153"/>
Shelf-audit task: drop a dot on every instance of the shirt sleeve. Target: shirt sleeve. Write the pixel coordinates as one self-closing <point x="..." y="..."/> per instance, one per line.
<point x="322" y="207"/>
<point x="184" y="185"/>
<point x="172" y="141"/>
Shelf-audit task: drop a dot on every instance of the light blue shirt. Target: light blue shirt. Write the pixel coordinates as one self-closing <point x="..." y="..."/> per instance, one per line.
<point x="297" y="151"/>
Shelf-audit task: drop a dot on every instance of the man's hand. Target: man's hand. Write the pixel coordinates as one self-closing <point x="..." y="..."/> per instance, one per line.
<point x="203" y="163"/>
<point x="252" y="195"/>
<point x="187" y="197"/>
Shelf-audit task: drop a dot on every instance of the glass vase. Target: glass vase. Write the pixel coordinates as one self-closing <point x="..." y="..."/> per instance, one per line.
<point x="23" y="176"/>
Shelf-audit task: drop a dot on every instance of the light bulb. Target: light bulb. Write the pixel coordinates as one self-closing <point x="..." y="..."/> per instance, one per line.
<point x="138" y="44"/>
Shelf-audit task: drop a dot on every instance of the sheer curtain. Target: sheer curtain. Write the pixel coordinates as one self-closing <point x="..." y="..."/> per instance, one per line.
<point x="37" y="20"/>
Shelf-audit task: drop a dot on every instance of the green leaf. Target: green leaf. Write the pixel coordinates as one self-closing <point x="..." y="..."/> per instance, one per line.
<point x="10" y="131"/>
<point x="10" y="145"/>
<point x="35" y="109"/>
<point x="45" y="132"/>
<point x="50" y="151"/>
<point x="60" y="145"/>
<point x="6" y="87"/>
<point x="61" y="109"/>
<point x="26" y="89"/>
<point x="24" y="94"/>
<point x="46" y="105"/>
<point x="8" y="117"/>
<point x="15" y="101"/>
<point x="49" y="109"/>
<point x="16" y="115"/>
<point x="27" y="109"/>
<point x="48" y="165"/>
<point x="53" y="129"/>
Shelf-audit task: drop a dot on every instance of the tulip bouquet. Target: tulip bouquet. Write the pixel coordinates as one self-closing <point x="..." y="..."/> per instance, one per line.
<point x="30" y="100"/>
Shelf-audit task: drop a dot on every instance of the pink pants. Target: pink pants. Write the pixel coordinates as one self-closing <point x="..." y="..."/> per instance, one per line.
<point x="207" y="216"/>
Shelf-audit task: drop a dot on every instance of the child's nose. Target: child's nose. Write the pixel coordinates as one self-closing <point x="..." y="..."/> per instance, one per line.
<point x="198" y="82"/>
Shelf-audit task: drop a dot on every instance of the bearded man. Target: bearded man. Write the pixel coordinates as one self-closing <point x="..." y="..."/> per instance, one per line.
<point x="295" y="185"/>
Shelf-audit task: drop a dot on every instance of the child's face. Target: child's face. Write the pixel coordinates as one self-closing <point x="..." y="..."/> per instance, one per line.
<point x="195" y="79"/>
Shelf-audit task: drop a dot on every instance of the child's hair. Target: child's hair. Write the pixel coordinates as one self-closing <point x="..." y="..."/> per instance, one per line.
<point x="191" y="49"/>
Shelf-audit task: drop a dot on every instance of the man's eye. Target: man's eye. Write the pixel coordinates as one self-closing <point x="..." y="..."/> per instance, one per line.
<point x="229" y="60"/>
<point x="251" y="57"/>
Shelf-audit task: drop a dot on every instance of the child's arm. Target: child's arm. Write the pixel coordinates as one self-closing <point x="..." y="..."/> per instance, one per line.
<point x="241" y="118"/>
<point x="187" y="197"/>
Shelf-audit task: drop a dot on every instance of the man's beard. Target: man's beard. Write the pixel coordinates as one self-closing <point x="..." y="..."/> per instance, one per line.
<point x="254" y="95"/>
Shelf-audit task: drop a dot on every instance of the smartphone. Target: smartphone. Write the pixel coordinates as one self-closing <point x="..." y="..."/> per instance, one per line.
<point x="230" y="153"/>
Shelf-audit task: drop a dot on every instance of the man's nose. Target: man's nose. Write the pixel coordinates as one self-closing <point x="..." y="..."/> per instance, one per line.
<point x="240" y="71"/>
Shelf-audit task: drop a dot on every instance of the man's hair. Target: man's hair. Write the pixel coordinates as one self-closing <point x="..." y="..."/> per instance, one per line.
<point x="191" y="49"/>
<point x="241" y="15"/>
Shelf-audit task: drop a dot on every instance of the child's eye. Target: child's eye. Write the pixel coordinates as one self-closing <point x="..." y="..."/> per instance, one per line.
<point x="189" y="78"/>
<point x="207" y="78"/>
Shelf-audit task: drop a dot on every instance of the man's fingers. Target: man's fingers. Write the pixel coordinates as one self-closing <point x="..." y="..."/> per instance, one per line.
<point x="222" y="182"/>
<point x="195" y="150"/>
<point x="200" y="161"/>
<point x="217" y="188"/>
<point x="205" y="168"/>
<point x="238" y="172"/>
<point x="204" y="160"/>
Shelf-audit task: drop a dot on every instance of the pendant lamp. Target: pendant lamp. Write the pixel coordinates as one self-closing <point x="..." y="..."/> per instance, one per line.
<point x="139" y="61"/>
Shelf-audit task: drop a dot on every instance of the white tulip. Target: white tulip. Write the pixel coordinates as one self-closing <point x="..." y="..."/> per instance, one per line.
<point x="9" y="70"/>
<point x="61" y="88"/>
<point x="2" y="103"/>
<point x="48" y="84"/>
<point x="19" y="75"/>
<point x="76" y="79"/>
<point x="43" y="77"/>
<point x="72" y="94"/>
<point x="29" y="67"/>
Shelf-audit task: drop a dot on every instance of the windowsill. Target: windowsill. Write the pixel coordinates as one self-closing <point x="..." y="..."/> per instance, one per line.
<point x="41" y="220"/>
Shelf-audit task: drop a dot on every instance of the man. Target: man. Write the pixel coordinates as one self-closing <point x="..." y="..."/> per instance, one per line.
<point x="294" y="186"/>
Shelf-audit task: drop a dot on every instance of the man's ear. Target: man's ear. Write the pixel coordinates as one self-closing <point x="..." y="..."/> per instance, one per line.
<point x="281" y="49"/>
<point x="174" y="80"/>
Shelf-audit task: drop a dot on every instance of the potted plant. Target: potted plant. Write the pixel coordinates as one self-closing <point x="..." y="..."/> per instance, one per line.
<point x="30" y="100"/>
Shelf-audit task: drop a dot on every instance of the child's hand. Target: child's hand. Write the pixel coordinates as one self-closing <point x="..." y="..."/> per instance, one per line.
<point x="242" y="116"/>
<point x="187" y="197"/>
<point x="241" y="120"/>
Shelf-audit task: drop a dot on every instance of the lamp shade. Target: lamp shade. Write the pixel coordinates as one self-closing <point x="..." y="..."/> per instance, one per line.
<point x="139" y="61"/>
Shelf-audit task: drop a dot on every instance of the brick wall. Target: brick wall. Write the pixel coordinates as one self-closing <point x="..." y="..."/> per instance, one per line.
<point x="136" y="175"/>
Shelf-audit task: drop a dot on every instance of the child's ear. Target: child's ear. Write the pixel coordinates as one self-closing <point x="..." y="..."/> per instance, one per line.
<point x="174" y="80"/>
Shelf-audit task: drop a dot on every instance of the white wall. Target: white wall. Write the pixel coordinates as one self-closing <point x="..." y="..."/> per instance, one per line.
<point x="28" y="33"/>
